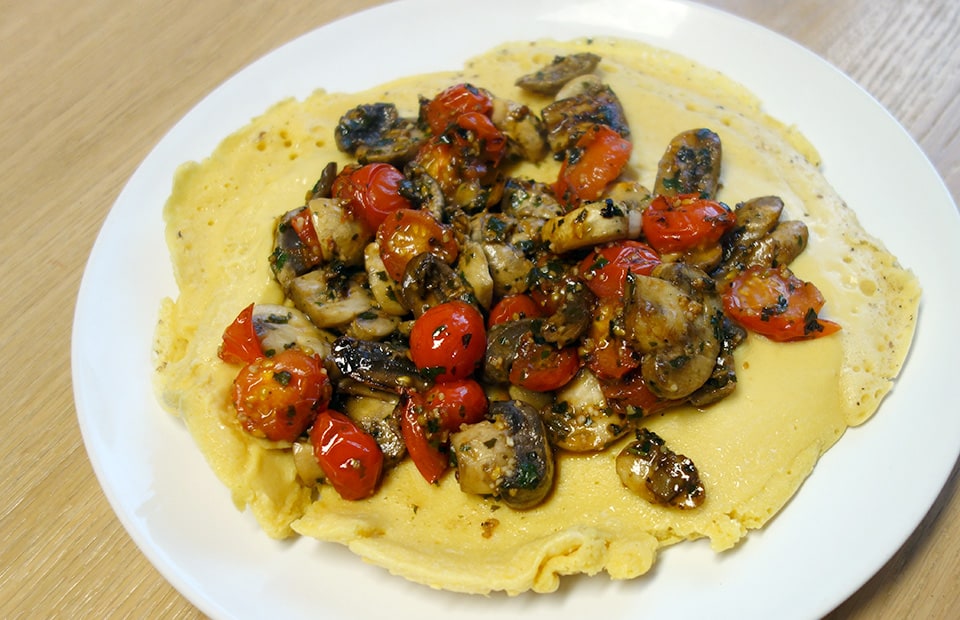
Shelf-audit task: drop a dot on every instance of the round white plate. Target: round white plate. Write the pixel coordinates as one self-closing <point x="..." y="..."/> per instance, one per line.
<point x="858" y="507"/>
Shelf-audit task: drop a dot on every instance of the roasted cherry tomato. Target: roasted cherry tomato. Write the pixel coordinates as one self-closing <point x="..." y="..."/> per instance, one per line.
<point x="302" y="223"/>
<point x="408" y="232"/>
<point x="492" y="143"/>
<point x="541" y="367"/>
<point x="277" y="397"/>
<point x="679" y="223"/>
<point x="421" y="437"/>
<point x="605" y="268"/>
<point x="609" y="355"/>
<point x="774" y="302"/>
<point x="350" y="458"/>
<point x="370" y="191"/>
<point x="513" y="307"/>
<point x="455" y="403"/>
<point x="448" y="341"/>
<point x="240" y="342"/>
<point x="444" y="109"/>
<point x="632" y="391"/>
<point x="591" y="164"/>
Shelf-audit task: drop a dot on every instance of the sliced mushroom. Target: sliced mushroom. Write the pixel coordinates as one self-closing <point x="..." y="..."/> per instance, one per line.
<point x="280" y="328"/>
<point x="526" y="137"/>
<point x="502" y="343"/>
<point x="384" y="289"/>
<point x="690" y="165"/>
<point x="373" y="324"/>
<point x="567" y="119"/>
<point x="424" y="192"/>
<point x="580" y="419"/>
<point x="474" y="269"/>
<point x="550" y="79"/>
<point x="376" y="133"/>
<point x="377" y="415"/>
<point x="575" y="305"/>
<point x="591" y="224"/>
<point x="359" y="366"/>
<point x="654" y="472"/>
<point x="760" y="239"/>
<point x="321" y="189"/>
<point x="331" y="296"/>
<point x="526" y="198"/>
<point x="672" y="317"/>
<point x="428" y="281"/>
<point x="507" y="455"/>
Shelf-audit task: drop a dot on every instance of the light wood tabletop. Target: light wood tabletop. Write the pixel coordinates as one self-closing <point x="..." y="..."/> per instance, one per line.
<point x="88" y="88"/>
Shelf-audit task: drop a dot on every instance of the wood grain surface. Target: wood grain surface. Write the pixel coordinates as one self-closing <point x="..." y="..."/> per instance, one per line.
<point x="88" y="88"/>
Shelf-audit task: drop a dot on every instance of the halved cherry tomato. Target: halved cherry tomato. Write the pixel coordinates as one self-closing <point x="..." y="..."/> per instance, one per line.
<point x="350" y="458"/>
<point x="609" y="355"/>
<point x="423" y="444"/>
<point x="684" y="222"/>
<point x="772" y="301"/>
<point x="597" y="159"/>
<point x="605" y="268"/>
<point x="541" y="367"/>
<point x="492" y="143"/>
<point x="278" y="397"/>
<point x="302" y="223"/>
<point x="456" y="403"/>
<point x="441" y="111"/>
<point x="370" y="191"/>
<point x="448" y="341"/>
<point x="513" y="307"/>
<point x="408" y="232"/>
<point x="240" y="342"/>
<point x="632" y="391"/>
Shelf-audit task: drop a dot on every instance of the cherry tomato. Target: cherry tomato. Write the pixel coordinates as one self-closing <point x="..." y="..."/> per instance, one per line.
<point x="772" y="301"/>
<point x="408" y="232"/>
<point x="277" y="397"/>
<point x="597" y="159"/>
<point x="423" y="445"/>
<point x="632" y="391"/>
<point x="370" y="191"/>
<point x="684" y="222"/>
<point x="492" y="142"/>
<point x="302" y="223"/>
<point x="350" y="458"/>
<point x="240" y="342"/>
<point x="441" y="111"/>
<point x="513" y="307"/>
<point x="456" y="403"/>
<point x="541" y="367"/>
<point x="605" y="268"/>
<point x="448" y="341"/>
<point x="609" y="356"/>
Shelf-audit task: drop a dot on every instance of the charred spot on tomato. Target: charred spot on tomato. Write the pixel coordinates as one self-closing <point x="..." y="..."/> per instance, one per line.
<point x="283" y="377"/>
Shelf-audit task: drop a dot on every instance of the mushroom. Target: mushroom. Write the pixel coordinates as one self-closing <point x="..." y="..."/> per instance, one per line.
<point x="656" y="473"/>
<point x="507" y="455"/>
<point x="362" y="366"/>
<point x="593" y="223"/>
<point x="280" y="328"/>
<point x="550" y="79"/>
<point x="321" y="189"/>
<point x="690" y="165"/>
<point x="331" y="296"/>
<point x="523" y="129"/>
<point x="376" y="133"/>
<point x="428" y="281"/>
<point x="567" y="119"/>
<point x="672" y="317"/>
<point x="377" y="414"/>
<point x="580" y="419"/>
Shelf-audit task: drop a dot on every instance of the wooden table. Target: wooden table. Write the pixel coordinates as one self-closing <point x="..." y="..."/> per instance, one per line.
<point x="89" y="87"/>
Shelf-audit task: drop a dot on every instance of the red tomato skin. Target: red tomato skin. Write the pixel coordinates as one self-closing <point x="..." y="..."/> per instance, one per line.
<point x="278" y="397"/>
<point x="493" y="142"/>
<point x="241" y="345"/>
<point x="605" y="269"/>
<point x="513" y="307"/>
<point x="541" y="367"/>
<point x="371" y="192"/>
<point x="597" y="159"/>
<point x="423" y="449"/>
<point x="407" y="232"/>
<point x="350" y="458"/>
<point x="609" y="356"/>
<point x="443" y="110"/>
<point x="302" y="224"/>
<point x="678" y="223"/>
<point x="773" y="302"/>
<point x="456" y="403"/>
<point x="448" y="340"/>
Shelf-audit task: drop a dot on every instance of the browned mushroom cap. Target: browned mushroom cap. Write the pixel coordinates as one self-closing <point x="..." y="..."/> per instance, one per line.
<point x="428" y="281"/>
<point x="650" y="469"/>
<point x="375" y="132"/>
<point x="550" y="79"/>
<point x="690" y="165"/>
<point x="362" y="365"/>
<point x="567" y="119"/>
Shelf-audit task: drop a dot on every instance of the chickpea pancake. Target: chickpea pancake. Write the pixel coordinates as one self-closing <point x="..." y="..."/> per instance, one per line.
<point x="753" y="449"/>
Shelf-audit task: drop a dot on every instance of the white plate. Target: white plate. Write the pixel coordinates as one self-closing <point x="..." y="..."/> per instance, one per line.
<point x="858" y="507"/>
